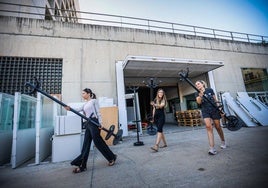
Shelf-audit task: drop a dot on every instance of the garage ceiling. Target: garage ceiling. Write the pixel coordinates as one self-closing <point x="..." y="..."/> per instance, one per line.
<point x="139" y="68"/>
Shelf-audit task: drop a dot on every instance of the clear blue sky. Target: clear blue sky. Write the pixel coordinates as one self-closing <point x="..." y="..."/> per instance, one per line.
<point x="246" y="16"/>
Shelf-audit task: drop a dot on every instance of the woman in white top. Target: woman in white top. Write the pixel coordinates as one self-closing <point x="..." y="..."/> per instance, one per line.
<point x="92" y="132"/>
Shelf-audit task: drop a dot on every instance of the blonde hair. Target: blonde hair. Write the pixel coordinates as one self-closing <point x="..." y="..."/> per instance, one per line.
<point x="202" y="82"/>
<point x="159" y="100"/>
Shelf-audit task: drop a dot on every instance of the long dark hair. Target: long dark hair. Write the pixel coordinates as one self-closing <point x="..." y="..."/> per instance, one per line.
<point x="89" y="91"/>
<point x="93" y="96"/>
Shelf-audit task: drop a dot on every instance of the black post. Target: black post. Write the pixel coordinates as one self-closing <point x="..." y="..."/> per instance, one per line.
<point x="151" y="91"/>
<point x="36" y="88"/>
<point x="151" y="83"/>
<point x="58" y="101"/>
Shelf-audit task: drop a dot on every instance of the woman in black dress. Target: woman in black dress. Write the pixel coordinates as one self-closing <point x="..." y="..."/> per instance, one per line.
<point x="159" y="104"/>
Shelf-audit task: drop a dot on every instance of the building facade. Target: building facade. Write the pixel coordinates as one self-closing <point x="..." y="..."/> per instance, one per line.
<point x="110" y="60"/>
<point x="57" y="10"/>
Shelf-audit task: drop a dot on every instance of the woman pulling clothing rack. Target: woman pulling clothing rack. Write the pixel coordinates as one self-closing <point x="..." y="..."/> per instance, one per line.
<point x="92" y="132"/>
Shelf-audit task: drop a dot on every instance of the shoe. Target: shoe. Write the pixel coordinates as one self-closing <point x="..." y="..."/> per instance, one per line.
<point x="112" y="162"/>
<point x="223" y="146"/>
<point x="155" y="148"/>
<point x="212" y="152"/>
<point x="76" y="163"/>
<point x="79" y="170"/>
<point x="164" y="146"/>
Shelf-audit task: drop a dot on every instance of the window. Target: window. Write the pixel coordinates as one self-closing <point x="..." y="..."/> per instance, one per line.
<point x="16" y="71"/>
<point x="191" y="102"/>
<point x="255" y="79"/>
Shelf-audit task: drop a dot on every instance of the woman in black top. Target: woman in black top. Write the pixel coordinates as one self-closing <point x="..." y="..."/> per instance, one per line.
<point x="210" y="114"/>
<point x="159" y="104"/>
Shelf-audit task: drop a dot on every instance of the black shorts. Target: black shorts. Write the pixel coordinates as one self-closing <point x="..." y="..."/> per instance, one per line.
<point x="211" y="113"/>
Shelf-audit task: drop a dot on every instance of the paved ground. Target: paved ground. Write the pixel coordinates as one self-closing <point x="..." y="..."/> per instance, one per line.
<point x="184" y="163"/>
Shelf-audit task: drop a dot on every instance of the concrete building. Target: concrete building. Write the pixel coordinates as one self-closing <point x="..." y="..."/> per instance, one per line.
<point x="57" y="10"/>
<point x="68" y="57"/>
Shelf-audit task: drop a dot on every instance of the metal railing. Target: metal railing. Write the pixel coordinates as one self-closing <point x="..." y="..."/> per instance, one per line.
<point x="136" y="23"/>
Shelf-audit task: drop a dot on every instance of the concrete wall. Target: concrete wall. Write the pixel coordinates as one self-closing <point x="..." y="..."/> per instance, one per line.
<point x="15" y="9"/>
<point x="90" y="52"/>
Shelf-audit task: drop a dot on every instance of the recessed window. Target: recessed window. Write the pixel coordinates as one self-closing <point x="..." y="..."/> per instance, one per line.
<point x="255" y="79"/>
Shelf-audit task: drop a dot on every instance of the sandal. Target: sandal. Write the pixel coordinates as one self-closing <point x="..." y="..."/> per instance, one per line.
<point x="112" y="162"/>
<point x="155" y="148"/>
<point x="76" y="163"/>
<point x="164" y="146"/>
<point x="79" y="170"/>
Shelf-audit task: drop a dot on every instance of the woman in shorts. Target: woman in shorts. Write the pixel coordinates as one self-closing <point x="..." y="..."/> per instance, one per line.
<point x="210" y="114"/>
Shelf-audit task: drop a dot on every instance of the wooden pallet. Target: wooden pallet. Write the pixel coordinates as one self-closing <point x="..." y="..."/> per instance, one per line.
<point x="188" y="114"/>
<point x="189" y="118"/>
<point x="190" y="122"/>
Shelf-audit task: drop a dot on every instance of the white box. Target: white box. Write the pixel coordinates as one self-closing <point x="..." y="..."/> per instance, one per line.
<point x="65" y="148"/>
<point x="67" y="125"/>
<point x="105" y="102"/>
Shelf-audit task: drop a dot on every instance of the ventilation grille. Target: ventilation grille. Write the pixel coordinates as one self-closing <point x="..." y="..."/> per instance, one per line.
<point x="16" y="71"/>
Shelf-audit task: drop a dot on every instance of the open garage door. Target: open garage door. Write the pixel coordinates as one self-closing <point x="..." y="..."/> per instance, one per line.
<point x="135" y="69"/>
<point x="138" y="68"/>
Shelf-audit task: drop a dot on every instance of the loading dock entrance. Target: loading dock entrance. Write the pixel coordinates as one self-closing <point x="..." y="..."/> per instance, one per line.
<point x="135" y="69"/>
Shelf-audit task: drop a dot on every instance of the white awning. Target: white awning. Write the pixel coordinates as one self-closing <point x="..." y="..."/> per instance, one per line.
<point x="139" y="68"/>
